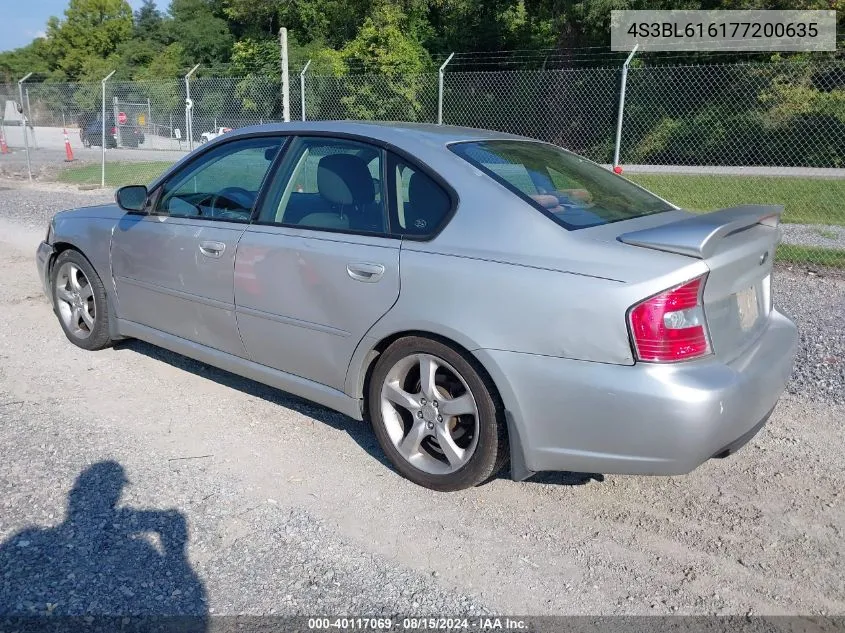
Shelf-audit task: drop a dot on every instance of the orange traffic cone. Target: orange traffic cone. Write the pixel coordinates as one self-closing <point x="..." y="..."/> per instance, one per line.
<point x="68" y="151"/>
<point x="4" y="149"/>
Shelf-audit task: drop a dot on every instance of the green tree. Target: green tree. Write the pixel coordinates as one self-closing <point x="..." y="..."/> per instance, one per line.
<point x="384" y="44"/>
<point x="203" y="34"/>
<point x="392" y="62"/>
<point x="166" y="64"/>
<point x="149" y="23"/>
<point x="34" y="57"/>
<point x="91" y="32"/>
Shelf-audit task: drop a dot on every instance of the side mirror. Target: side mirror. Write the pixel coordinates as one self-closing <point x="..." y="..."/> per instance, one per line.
<point x="131" y="198"/>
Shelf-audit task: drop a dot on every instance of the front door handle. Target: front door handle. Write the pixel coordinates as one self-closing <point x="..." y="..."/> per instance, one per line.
<point x="212" y="249"/>
<point x="365" y="271"/>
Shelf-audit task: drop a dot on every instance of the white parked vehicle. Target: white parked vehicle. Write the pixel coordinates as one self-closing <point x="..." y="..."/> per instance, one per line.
<point x="208" y="136"/>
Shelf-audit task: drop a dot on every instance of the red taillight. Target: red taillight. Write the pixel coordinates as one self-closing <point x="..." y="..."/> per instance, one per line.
<point x="670" y="326"/>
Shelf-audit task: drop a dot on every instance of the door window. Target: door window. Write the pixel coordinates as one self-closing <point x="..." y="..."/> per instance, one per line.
<point x="328" y="184"/>
<point x="222" y="183"/>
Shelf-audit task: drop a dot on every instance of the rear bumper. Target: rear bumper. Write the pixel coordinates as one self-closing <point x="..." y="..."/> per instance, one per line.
<point x="645" y="418"/>
<point x="42" y="262"/>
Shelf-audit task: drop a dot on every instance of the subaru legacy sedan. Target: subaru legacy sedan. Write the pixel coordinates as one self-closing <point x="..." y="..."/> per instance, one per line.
<point x="479" y="297"/>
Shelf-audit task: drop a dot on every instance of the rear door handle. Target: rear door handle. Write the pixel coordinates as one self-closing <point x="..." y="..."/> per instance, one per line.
<point x="212" y="249"/>
<point x="365" y="271"/>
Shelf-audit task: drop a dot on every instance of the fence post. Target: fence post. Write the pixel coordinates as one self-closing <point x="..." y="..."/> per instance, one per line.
<point x="622" y="106"/>
<point x="440" y="75"/>
<point x="189" y="109"/>
<point x="302" y="86"/>
<point x="103" y="170"/>
<point x="23" y="123"/>
<point x="283" y="43"/>
<point x="115" y="115"/>
<point x="29" y="116"/>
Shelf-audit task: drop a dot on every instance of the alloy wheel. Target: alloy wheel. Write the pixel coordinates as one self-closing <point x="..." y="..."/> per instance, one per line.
<point x="430" y="414"/>
<point x="75" y="300"/>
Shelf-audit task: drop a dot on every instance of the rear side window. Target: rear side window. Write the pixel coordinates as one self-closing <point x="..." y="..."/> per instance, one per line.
<point x="573" y="191"/>
<point x="421" y="204"/>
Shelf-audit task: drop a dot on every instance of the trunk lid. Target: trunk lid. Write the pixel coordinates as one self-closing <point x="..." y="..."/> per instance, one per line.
<point x="738" y="246"/>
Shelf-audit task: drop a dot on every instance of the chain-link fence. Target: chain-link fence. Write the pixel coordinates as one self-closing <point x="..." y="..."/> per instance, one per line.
<point x="703" y="136"/>
<point x="575" y="108"/>
<point x="372" y="97"/>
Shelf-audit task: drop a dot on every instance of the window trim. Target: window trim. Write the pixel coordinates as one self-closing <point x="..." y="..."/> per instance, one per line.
<point x="389" y="148"/>
<point x="526" y="198"/>
<point x="389" y="153"/>
<point x="158" y="185"/>
<point x="412" y="160"/>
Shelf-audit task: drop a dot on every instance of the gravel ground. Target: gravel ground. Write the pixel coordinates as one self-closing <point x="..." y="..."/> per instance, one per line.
<point x="826" y="236"/>
<point x="32" y="206"/>
<point x="242" y="499"/>
<point x="817" y="304"/>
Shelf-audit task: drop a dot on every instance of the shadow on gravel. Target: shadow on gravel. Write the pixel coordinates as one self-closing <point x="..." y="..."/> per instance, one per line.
<point x="102" y="561"/>
<point x="565" y="478"/>
<point x="360" y="432"/>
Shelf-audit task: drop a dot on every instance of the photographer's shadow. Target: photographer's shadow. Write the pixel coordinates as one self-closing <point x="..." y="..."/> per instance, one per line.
<point x="103" y="560"/>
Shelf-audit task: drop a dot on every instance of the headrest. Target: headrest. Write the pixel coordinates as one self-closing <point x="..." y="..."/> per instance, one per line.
<point x="345" y="179"/>
<point x="270" y="153"/>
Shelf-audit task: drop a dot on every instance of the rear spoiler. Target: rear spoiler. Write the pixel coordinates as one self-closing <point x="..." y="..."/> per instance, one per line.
<point x="697" y="236"/>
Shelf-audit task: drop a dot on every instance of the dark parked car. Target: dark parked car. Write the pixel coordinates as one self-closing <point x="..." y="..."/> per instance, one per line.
<point x="131" y="136"/>
<point x="127" y="135"/>
<point x="92" y="135"/>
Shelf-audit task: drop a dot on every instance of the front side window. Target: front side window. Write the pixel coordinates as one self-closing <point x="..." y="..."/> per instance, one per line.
<point x="571" y="190"/>
<point x="328" y="184"/>
<point x="221" y="184"/>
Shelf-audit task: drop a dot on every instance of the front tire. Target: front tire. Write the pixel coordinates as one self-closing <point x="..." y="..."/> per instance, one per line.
<point x="80" y="301"/>
<point x="436" y="415"/>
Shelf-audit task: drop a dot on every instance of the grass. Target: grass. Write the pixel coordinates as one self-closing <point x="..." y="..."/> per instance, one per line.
<point x="811" y="255"/>
<point x="806" y="200"/>
<point x="117" y="174"/>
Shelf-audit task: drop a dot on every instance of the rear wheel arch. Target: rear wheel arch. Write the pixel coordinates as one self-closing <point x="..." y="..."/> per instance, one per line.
<point x="369" y="362"/>
<point x="518" y="466"/>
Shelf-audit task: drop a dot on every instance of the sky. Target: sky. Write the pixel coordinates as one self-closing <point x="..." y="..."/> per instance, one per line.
<point x="23" y="20"/>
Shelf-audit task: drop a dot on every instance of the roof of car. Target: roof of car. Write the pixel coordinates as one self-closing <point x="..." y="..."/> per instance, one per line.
<point x="400" y="134"/>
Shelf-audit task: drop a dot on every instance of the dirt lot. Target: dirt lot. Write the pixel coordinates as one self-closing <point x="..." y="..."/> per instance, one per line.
<point x="291" y="509"/>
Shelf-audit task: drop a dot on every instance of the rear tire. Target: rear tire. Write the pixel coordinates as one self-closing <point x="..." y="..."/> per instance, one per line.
<point x="80" y="301"/>
<point x="436" y="415"/>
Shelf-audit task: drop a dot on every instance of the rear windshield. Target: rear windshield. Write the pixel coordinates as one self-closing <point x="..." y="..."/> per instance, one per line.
<point x="571" y="190"/>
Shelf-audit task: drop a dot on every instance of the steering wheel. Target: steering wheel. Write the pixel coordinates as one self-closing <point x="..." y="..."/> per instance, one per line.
<point x="237" y="197"/>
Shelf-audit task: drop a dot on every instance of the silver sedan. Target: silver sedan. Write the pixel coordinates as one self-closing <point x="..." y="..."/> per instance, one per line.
<point x="478" y="297"/>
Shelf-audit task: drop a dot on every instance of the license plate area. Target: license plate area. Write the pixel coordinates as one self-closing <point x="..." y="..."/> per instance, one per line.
<point x="748" y="308"/>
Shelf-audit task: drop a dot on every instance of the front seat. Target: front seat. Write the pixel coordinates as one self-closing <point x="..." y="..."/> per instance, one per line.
<point x="344" y="181"/>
